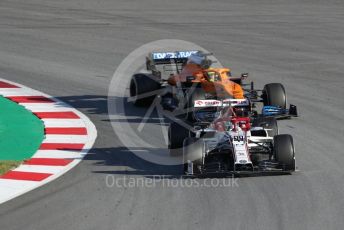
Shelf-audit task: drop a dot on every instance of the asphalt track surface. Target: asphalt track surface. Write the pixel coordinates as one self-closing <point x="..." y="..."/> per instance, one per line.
<point x="70" y="49"/>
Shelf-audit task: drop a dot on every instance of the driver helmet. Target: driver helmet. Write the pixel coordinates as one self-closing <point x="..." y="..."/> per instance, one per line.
<point x="211" y="76"/>
<point x="241" y="111"/>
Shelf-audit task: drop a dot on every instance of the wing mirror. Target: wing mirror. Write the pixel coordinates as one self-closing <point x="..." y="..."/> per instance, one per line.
<point x="244" y="75"/>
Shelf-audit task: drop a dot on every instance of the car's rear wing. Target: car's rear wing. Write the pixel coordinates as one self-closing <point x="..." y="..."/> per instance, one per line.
<point x="163" y="64"/>
<point x="170" y="56"/>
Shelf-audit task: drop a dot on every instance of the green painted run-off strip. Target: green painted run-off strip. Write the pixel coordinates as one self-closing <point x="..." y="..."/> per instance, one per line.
<point x="21" y="132"/>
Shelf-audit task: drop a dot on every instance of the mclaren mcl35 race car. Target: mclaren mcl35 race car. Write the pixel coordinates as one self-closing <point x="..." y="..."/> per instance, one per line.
<point x="175" y="80"/>
<point x="223" y="140"/>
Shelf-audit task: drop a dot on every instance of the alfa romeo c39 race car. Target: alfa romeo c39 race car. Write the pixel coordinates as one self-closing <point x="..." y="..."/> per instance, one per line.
<point x="222" y="141"/>
<point x="179" y="78"/>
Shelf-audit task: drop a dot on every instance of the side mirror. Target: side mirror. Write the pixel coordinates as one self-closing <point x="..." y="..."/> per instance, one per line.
<point x="244" y="75"/>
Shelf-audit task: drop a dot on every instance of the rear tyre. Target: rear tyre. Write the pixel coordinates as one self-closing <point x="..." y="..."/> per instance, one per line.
<point x="267" y="123"/>
<point x="274" y="94"/>
<point x="284" y="152"/>
<point x="193" y="151"/>
<point x="141" y="84"/>
<point x="176" y="136"/>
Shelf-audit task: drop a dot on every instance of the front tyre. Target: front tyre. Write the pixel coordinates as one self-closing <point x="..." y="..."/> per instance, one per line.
<point x="284" y="152"/>
<point x="274" y="95"/>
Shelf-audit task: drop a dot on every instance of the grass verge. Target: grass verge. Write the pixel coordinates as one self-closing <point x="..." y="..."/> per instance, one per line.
<point x="8" y="165"/>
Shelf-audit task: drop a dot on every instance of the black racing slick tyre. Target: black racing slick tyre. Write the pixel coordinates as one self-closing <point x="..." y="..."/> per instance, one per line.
<point x="284" y="152"/>
<point x="269" y="123"/>
<point x="193" y="149"/>
<point x="141" y="84"/>
<point x="176" y="135"/>
<point x="274" y="95"/>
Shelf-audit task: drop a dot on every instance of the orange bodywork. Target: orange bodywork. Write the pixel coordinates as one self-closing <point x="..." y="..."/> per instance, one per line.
<point x="221" y="87"/>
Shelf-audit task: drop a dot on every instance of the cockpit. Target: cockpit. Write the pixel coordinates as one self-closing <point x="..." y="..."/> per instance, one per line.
<point x="215" y="76"/>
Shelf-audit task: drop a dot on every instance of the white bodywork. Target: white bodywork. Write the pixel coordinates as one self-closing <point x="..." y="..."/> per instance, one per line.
<point x="239" y="141"/>
<point x="240" y="147"/>
<point x="219" y="103"/>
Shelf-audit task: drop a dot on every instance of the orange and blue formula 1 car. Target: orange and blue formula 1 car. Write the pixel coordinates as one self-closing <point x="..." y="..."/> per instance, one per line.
<point x="178" y="79"/>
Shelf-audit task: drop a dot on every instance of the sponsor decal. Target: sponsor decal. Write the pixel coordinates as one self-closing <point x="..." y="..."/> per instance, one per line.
<point x="236" y="102"/>
<point x="238" y="138"/>
<point x="169" y="55"/>
<point x="199" y="102"/>
<point x="207" y="103"/>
